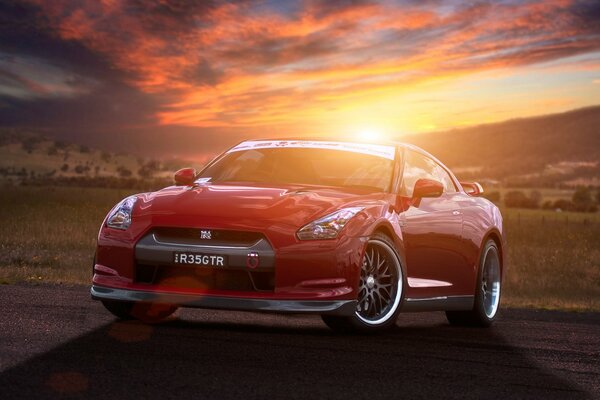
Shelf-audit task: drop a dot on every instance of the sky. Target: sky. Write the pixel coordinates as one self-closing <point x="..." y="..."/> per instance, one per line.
<point x="196" y="76"/>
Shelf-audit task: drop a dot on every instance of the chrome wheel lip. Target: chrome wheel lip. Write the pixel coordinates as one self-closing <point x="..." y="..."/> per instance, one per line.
<point x="491" y="282"/>
<point x="399" y="286"/>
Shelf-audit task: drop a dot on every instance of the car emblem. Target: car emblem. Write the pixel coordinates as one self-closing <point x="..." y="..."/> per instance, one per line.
<point x="253" y="260"/>
<point x="206" y="235"/>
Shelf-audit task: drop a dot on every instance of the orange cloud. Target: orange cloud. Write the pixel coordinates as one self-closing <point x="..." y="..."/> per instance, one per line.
<point x="221" y="64"/>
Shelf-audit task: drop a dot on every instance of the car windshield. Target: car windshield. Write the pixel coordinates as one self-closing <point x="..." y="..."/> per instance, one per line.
<point x="303" y="166"/>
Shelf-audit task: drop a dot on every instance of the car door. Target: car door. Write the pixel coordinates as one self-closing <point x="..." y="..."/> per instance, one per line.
<point x="432" y="231"/>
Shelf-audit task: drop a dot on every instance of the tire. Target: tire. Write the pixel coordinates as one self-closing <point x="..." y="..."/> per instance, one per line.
<point x="487" y="291"/>
<point x="380" y="290"/>
<point x="145" y="312"/>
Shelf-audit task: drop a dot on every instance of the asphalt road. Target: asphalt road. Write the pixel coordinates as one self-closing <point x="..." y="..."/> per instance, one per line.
<point x="57" y="343"/>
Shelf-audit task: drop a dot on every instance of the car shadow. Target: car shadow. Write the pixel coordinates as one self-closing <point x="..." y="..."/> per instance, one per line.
<point x="296" y="357"/>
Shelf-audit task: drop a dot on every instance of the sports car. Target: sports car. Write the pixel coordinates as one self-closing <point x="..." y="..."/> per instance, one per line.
<point x="355" y="232"/>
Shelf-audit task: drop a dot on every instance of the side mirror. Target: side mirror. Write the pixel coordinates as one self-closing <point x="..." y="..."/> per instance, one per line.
<point x="427" y="188"/>
<point x="472" y="188"/>
<point x="185" y="176"/>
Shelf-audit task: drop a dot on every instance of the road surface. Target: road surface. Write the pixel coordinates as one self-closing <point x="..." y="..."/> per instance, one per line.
<point x="55" y="342"/>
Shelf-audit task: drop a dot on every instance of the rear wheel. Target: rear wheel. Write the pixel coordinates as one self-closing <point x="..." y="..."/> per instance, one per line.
<point x="379" y="291"/>
<point x="145" y="312"/>
<point x="487" y="296"/>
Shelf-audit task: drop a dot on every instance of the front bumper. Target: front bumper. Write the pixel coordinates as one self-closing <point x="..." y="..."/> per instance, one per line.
<point x="333" y="307"/>
<point x="289" y="269"/>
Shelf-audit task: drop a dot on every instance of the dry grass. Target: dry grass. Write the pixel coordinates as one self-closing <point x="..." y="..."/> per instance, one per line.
<point x="49" y="234"/>
<point x="553" y="263"/>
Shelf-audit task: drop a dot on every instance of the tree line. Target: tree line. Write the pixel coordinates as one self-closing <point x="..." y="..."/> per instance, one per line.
<point x="584" y="199"/>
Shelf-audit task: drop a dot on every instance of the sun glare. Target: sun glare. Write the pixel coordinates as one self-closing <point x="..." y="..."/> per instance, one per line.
<point x="370" y="135"/>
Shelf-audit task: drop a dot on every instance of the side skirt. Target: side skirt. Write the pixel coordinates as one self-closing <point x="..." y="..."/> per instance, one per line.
<point x="443" y="303"/>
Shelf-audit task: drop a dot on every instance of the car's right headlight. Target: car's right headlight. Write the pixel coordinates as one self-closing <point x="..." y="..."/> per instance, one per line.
<point x="120" y="215"/>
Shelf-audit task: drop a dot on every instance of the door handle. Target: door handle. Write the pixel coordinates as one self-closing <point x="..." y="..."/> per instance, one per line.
<point x="455" y="212"/>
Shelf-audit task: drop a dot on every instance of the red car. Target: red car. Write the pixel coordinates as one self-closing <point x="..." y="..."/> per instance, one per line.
<point x="354" y="232"/>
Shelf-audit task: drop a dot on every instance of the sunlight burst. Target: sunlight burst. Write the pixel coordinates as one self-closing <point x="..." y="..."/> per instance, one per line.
<point x="370" y="135"/>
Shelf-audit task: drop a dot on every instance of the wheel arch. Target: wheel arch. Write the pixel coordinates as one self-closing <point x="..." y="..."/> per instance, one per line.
<point x="384" y="227"/>
<point x="497" y="238"/>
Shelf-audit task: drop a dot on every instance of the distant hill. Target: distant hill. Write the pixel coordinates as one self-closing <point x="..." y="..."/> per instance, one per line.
<point x="566" y="144"/>
<point x="558" y="150"/>
<point x="29" y="156"/>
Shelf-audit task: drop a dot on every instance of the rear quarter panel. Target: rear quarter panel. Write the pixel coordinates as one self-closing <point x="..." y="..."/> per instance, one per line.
<point x="481" y="221"/>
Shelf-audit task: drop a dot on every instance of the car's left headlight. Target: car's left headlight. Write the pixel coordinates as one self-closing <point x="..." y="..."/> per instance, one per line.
<point x="120" y="216"/>
<point x="329" y="226"/>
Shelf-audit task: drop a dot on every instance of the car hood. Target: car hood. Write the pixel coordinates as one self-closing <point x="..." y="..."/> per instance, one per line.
<point x="246" y="207"/>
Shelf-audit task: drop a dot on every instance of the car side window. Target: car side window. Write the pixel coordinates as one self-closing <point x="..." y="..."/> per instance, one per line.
<point x="446" y="180"/>
<point x="418" y="166"/>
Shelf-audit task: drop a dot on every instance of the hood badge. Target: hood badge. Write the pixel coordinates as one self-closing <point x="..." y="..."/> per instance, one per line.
<point x="205" y="235"/>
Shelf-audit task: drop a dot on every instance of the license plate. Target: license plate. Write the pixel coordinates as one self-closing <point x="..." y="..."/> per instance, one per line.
<point x="201" y="259"/>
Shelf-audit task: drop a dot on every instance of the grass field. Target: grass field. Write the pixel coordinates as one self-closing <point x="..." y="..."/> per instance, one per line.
<point x="553" y="260"/>
<point x="48" y="234"/>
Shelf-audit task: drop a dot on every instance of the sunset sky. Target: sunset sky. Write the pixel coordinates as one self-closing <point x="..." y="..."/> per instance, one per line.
<point x="140" y="72"/>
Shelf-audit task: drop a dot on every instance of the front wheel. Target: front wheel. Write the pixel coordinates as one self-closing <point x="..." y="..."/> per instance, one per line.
<point x="145" y="312"/>
<point x="487" y="296"/>
<point x="379" y="291"/>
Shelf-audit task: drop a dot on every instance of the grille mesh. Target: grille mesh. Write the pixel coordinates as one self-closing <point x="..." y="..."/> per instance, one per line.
<point x="218" y="237"/>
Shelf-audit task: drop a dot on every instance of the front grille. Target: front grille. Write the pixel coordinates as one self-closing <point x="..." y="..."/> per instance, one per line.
<point x="187" y="277"/>
<point x="218" y="237"/>
<point x="155" y="259"/>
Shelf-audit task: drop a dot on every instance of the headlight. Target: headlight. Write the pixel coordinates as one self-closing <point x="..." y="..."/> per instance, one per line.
<point x="329" y="226"/>
<point x="120" y="216"/>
